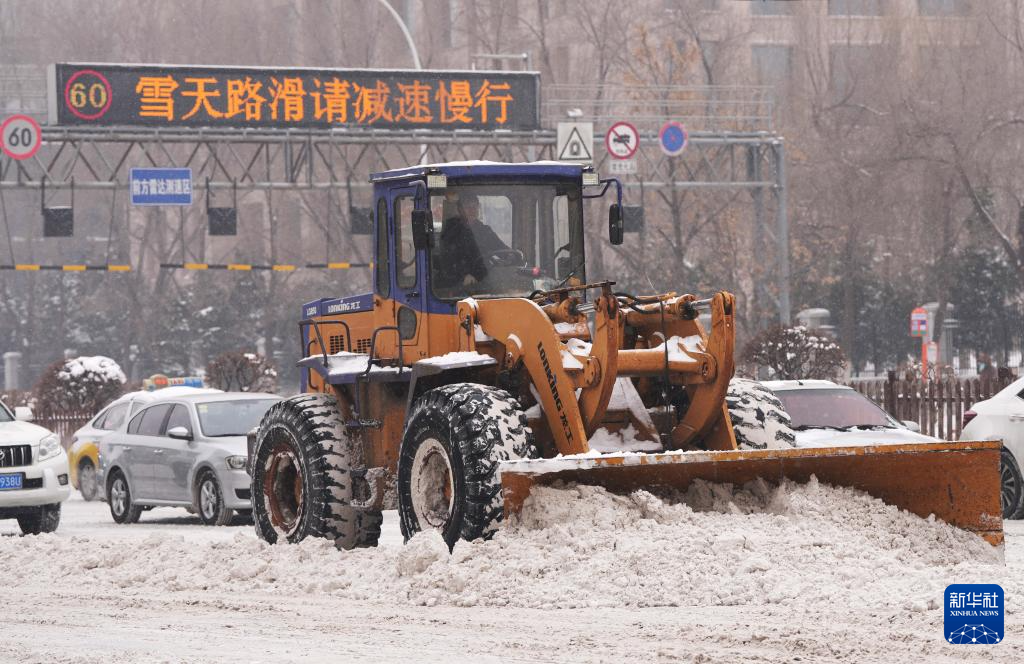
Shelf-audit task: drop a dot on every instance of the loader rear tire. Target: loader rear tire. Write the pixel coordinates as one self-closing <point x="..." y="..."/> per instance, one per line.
<point x="759" y="419"/>
<point x="455" y="437"/>
<point x="308" y="476"/>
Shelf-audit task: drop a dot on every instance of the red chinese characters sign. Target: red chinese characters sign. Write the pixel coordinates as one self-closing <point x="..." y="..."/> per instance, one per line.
<point x="176" y="96"/>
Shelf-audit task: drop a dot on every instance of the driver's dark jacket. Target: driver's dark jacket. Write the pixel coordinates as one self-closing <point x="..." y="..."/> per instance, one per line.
<point x="463" y="248"/>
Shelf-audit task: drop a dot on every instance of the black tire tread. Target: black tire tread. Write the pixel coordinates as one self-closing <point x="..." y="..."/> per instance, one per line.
<point x="758" y="417"/>
<point x="485" y="425"/>
<point x="329" y="456"/>
<point x="43" y="519"/>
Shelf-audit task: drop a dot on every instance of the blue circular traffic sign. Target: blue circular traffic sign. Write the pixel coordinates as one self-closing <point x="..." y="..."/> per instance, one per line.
<point x="673" y="138"/>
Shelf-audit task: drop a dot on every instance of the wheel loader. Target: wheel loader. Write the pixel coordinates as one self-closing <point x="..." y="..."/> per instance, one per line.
<point x="486" y="359"/>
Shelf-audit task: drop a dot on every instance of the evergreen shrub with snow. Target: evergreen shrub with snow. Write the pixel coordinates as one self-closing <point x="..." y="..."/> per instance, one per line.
<point x="80" y="385"/>
<point x="791" y="353"/>
<point x="241" y="372"/>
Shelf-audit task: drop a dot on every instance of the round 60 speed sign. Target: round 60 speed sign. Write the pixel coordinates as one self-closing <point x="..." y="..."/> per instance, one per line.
<point x="21" y="137"/>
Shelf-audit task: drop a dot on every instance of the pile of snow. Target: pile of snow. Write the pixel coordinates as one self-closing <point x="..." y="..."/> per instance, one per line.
<point x="796" y="546"/>
<point x="624" y="440"/>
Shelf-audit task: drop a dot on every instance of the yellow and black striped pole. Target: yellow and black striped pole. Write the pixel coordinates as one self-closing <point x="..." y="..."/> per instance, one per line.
<point x="37" y="267"/>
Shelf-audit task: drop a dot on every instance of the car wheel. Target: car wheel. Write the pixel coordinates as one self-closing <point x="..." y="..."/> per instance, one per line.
<point x="119" y="497"/>
<point x="87" y="481"/>
<point x="210" y="501"/>
<point x="1011" y="487"/>
<point x="42" y="519"/>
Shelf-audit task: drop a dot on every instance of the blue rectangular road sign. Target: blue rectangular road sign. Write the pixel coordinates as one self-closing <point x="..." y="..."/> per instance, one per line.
<point x="161" y="186"/>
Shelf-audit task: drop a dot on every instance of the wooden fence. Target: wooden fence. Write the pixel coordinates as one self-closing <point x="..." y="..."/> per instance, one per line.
<point x="64" y="425"/>
<point x="938" y="405"/>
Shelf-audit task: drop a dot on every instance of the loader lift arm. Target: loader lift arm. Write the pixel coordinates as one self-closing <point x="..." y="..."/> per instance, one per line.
<point x="525" y="330"/>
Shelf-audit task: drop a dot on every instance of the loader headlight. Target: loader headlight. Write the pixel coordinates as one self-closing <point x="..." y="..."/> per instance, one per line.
<point x="236" y="462"/>
<point x="49" y="447"/>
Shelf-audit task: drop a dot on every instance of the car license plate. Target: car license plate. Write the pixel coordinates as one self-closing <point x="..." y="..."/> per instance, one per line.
<point x="11" y="481"/>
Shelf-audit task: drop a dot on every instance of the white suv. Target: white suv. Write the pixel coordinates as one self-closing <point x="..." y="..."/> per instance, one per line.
<point x="33" y="473"/>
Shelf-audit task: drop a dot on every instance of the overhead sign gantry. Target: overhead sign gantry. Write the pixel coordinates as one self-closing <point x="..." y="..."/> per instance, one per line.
<point x="291" y="98"/>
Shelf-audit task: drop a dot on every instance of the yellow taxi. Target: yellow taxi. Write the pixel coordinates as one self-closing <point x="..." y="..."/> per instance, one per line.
<point x="84" y="453"/>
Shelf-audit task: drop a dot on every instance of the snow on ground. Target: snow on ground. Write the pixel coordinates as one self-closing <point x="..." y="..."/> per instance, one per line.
<point x="795" y="573"/>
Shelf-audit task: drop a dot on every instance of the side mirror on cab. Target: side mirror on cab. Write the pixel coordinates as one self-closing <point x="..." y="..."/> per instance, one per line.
<point x="23" y="414"/>
<point x="615" y="226"/>
<point x="422" y="229"/>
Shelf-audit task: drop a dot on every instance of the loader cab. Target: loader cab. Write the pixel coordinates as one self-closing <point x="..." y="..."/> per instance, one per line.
<point x="476" y="229"/>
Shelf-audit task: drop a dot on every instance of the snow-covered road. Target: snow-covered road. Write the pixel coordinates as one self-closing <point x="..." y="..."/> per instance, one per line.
<point x="806" y="574"/>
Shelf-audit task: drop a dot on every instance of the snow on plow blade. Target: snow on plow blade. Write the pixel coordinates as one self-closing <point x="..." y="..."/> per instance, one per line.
<point x="957" y="482"/>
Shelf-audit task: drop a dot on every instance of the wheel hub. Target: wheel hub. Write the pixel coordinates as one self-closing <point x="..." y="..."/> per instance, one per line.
<point x="208" y="499"/>
<point x="1008" y="492"/>
<point x="282" y="489"/>
<point x="87" y="479"/>
<point x="117" y="495"/>
<point x="433" y="491"/>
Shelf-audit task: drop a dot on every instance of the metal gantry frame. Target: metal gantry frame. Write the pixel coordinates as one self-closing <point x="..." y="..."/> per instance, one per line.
<point x="340" y="161"/>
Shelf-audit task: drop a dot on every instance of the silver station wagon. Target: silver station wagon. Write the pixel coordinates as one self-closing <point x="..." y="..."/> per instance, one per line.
<point x="184" y="451"/>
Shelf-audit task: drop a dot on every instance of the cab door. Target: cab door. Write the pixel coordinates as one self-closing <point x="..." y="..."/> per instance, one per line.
<point x="409" y="274"/>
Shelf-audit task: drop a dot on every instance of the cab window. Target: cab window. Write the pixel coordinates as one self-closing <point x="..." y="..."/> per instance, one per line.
<point x="404" y="249"/>
<point x="506" y="239"/>
<point x="383" y="263"/>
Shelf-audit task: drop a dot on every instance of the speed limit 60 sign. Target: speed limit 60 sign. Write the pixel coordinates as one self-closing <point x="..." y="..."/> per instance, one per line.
<point x="21" y="136"/>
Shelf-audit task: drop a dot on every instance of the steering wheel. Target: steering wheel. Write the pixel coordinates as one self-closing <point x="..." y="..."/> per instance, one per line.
<point x="558" y="252"/>
<point x="506" y="258"/>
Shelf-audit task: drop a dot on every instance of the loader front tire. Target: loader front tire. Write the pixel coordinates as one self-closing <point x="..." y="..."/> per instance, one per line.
<point x="308" y="476"/>
<point x="759" y="420"/>
<point x="455" y="437"/>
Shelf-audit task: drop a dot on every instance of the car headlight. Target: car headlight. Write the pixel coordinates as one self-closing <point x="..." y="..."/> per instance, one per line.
<point x="49" y="447"/>
<point x="236" y="462"/>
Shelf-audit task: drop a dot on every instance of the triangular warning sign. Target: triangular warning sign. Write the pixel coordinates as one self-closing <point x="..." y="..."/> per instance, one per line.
<point x="575" y="148"/>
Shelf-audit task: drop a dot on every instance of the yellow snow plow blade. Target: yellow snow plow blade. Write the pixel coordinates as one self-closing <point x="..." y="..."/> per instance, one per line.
<point x="957" y="482"/>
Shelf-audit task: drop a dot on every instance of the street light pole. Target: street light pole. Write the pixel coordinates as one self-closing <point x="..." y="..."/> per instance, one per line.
<point x="412" y="49"/>
<point x="405" y="32"/>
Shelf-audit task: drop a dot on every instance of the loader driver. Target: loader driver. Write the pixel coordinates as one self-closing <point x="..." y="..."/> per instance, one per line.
<point x="465" y="243"/>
